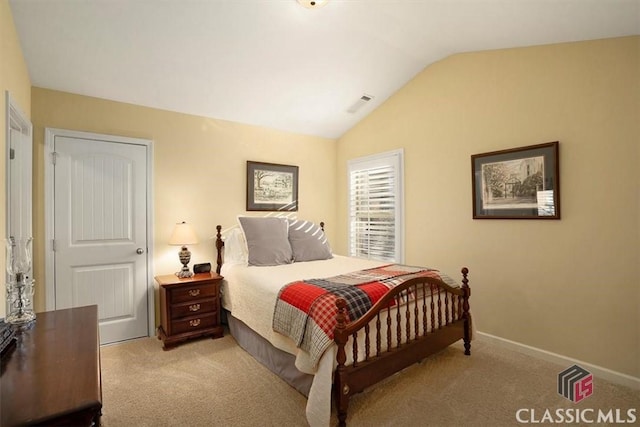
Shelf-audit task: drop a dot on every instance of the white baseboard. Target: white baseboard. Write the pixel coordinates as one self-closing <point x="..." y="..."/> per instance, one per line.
<point x="598" y="371"/>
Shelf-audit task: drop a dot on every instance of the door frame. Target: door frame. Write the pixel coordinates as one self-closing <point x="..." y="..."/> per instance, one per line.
<point x="49" y="139"/>
<point x="17" y="120"/>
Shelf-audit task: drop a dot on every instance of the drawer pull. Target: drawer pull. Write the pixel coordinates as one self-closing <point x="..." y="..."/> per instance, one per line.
<point x="194" y="292"/>
<point x="194" y="323"/>
<point x="194" y="307"/>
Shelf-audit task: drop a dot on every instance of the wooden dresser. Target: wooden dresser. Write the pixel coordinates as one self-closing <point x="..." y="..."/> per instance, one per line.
<point x="52" y="375"/>
<point x="189" y="308"/>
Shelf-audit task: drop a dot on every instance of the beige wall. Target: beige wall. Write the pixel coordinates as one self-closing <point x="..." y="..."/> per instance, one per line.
<point x="567" y="286"/>
<point x="199" y="168"/>
<point x="570" y="286"/>
<point x="14" y="78"/>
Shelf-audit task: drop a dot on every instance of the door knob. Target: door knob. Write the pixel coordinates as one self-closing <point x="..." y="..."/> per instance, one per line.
<point x="139" y="251"/>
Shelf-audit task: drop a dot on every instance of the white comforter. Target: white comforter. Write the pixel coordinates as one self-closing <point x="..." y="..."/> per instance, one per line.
<point x="250" y="294"/>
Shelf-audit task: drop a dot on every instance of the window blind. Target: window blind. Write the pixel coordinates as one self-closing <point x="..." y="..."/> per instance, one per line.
<point x="375" y="219"/>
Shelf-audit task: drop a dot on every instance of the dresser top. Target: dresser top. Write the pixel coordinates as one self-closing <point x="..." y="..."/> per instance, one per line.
<point x="172" y="279"/>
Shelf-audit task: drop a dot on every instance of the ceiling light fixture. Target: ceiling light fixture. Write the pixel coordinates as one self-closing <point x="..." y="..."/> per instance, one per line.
<point x="312" y="4"/>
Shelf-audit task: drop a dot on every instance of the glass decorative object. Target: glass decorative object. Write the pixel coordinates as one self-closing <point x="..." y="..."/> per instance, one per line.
<point x="20" y="281"/>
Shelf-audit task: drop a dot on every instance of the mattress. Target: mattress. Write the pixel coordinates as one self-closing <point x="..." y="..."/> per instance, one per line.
<point x="250" y="294"/>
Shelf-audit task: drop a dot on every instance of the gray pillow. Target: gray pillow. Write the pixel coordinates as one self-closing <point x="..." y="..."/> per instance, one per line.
<point x="267" y="240"/>
<point x="308" y="241"/>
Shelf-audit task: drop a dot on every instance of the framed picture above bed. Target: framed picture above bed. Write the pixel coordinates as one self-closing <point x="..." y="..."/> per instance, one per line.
<point x="272" y="187"/>
<point x="518" y="183"/>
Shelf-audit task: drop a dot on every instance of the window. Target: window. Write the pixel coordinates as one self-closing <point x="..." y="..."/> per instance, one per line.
<point x="375" y="206"/>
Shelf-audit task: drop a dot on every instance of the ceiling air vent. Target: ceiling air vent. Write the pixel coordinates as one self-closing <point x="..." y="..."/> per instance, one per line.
<point x="359" y="103"/>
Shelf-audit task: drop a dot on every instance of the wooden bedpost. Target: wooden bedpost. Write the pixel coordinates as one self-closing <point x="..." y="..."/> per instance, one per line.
<point x="465" y="311"/>
<point x="219" y="245"/>
<point x="341" y="388"/>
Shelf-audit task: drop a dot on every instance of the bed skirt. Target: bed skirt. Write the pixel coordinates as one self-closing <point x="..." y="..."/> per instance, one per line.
<point x="277" y="361"/>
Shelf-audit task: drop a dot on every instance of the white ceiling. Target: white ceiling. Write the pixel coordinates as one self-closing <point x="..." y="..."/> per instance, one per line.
<point x="274" y="63"/>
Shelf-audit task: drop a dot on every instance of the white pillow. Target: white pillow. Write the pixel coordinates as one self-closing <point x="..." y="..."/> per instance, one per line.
<point x="235" y="247"/>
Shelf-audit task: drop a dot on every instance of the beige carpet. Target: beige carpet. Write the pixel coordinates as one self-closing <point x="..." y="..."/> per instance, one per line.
<point x="216" y="383"/>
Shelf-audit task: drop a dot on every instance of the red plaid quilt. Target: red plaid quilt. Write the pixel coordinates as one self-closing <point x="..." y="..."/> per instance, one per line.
<point x="306" y="311"/>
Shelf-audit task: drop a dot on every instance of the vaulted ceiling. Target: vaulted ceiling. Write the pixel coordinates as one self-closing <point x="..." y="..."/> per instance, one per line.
<point x="275" y="63"/>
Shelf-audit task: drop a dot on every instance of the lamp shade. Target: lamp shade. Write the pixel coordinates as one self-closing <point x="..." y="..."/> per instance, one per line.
<point x="183" y="234"/>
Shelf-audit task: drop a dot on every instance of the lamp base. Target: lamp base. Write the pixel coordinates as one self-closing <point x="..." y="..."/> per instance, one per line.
<point x="184" y="273"/>
<point x="20" y="301"/>
<point x="185" y="257"/>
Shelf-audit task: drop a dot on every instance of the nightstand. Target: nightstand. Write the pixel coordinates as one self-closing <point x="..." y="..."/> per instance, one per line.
<point x="189" y="308"/>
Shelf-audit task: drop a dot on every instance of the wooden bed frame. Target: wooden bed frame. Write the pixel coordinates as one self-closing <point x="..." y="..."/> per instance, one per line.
<point x="436" y="317"/>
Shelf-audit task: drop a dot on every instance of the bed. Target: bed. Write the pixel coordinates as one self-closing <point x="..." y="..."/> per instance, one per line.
<point x="420" y="312"/>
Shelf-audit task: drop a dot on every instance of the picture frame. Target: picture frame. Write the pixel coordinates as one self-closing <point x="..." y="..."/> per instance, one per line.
<point x="518" y="183"/>
<point x="272" y="187"/>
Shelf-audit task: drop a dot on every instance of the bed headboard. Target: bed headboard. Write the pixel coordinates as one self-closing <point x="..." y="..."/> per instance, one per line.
<point x="220" y="245"/>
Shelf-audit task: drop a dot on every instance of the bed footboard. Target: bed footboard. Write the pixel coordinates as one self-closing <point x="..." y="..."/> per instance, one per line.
<point x="414" y="320"/>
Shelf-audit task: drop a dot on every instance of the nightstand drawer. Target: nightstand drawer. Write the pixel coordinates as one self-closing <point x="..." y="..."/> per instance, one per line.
<point x="194" y="323"/>
<point x="191" y="293"/>
<point x="191" y="308"/>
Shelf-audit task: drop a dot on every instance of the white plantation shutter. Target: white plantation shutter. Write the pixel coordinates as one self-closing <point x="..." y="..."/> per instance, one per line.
<point x="375" y="207"/>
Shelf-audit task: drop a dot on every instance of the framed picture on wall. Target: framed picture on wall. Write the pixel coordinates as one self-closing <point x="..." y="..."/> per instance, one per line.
<point x="518" y="183"/>
<point x="272" y="187"/>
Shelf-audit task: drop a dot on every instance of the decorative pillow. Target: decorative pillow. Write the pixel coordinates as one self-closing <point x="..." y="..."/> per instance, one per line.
<point x="235" y="247"/>
<point x="267" y="240"/>
<point x="308" y="241"/>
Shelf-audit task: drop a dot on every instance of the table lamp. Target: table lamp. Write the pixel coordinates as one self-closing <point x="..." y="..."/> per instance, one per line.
<point x="183" y="235"/>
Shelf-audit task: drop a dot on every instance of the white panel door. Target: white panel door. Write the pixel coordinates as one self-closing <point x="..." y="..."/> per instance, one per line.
<point x="100" y="212"/>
